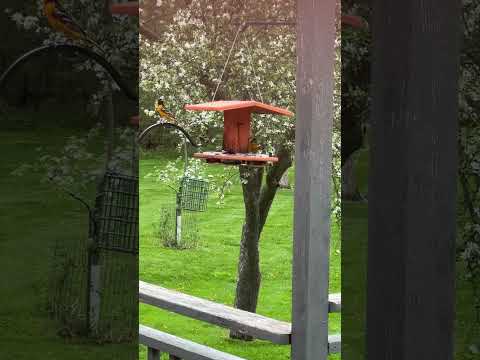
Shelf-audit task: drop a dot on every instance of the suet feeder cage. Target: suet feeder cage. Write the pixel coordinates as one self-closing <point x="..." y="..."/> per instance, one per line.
<point x="193" y="194"/>
<point x="117" y="213"/>
<point x="237" y="132"/>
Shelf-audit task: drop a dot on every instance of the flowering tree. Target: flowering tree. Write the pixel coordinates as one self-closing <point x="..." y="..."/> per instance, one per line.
<point x="185" y="67"/>
<point x="118" y="40"/>
<point x="115" y="34"/>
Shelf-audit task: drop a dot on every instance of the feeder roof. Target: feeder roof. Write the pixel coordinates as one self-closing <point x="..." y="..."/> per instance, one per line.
<point x="253" y="106"/>
<point x="128" y="8"/>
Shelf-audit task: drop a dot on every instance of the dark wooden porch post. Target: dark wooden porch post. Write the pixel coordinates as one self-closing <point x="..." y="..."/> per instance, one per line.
<point x="412" y="191"/>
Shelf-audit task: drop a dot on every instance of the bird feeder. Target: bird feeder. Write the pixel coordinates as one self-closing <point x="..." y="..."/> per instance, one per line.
<point x="237" y="131"/>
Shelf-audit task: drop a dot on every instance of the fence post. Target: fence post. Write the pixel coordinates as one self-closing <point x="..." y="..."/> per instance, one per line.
<point x="313" y="160"/>
<point x="94" y="285"/>
<point x="178" y="220"/>
<point x="153" y="354"/>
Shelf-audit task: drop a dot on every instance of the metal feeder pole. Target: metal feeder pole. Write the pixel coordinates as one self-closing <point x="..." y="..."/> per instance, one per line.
<point x="178" y="208"/>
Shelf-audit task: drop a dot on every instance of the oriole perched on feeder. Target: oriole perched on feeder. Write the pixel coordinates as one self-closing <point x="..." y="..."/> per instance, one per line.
<point x="160" y="110"/>
<point x="59" y="20"/>
<point x="253" y="147"/>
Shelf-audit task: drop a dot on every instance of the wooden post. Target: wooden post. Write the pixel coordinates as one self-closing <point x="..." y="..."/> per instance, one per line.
<point x="153" y="354"/>
<point x="178" y="221"/>
<point x="95" y="296"/>
<point x="93" y="281"/>
<point x="412" y="191"/>
<point x="109" y="125"/>
<point x="313" y="159"/>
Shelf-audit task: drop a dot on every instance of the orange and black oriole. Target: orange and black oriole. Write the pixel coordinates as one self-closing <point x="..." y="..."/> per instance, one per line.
<point x="59" y="20"/>
<point x="160" y="110"/>
<point x="253" y="147"/>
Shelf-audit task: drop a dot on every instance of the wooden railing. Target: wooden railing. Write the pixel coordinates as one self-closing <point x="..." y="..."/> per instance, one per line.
<point x="255" y="325"/>
<point x="159" y="342"/>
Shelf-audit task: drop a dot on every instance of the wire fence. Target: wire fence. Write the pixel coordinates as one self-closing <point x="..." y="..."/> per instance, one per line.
<point x="167" y="224"/>
<point x="115" y="249"/>
<point x="68" y="285"/>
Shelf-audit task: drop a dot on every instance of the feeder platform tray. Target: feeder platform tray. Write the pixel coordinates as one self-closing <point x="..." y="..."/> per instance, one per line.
<point x="249" y="159"/>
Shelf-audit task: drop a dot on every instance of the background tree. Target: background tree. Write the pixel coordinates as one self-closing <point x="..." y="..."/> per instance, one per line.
<point x="355" y="95"/>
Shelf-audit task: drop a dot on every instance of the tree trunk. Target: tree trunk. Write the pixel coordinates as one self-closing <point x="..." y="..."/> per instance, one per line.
<point x="284" y="184"/>
<point x="109" y="119"/>
<point x="248" y="282"/>
<point x="350" y="190"/>
<point x="258" y="201"/>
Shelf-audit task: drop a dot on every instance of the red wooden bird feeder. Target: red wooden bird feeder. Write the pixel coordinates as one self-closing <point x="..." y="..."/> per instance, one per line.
<point x="237" y="131"/>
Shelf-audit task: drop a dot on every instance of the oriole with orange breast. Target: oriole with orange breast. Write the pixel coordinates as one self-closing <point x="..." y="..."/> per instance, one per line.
<point x="253" y="147"/>
<point x="162" y="111"/>
<point x="59" y="20"/>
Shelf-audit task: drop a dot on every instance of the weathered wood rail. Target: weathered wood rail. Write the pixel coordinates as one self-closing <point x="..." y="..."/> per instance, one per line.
<point x="159" y="342"/>
<point x="258" y="326"/>
<point x="255" y="325"/>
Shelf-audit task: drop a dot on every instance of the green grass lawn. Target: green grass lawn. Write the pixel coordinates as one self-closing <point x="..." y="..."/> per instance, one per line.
<point x="209" y="271"/>
<point x="37" y="217"/>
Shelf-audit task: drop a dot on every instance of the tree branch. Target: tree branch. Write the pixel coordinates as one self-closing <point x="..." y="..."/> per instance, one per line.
<point x="468" y="198"/>
<point x="148" y="33"/>
<point x="272" y="181"/>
